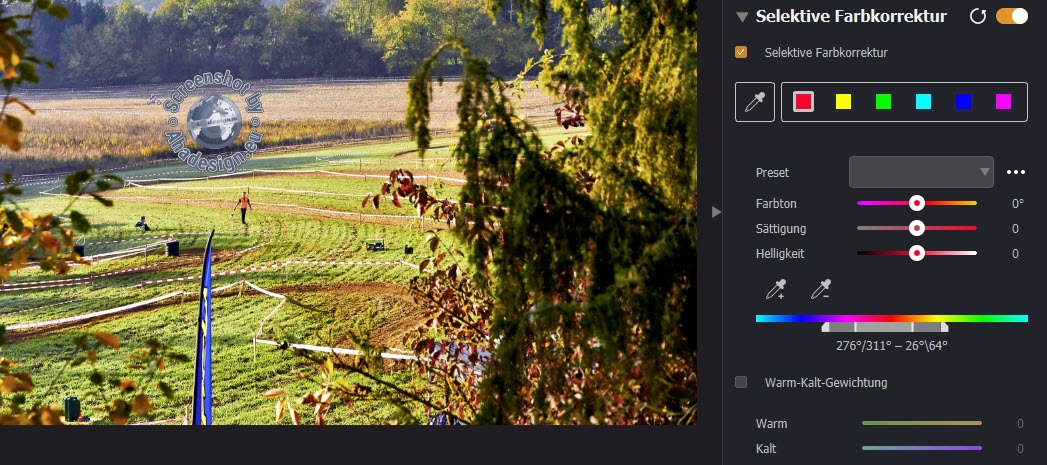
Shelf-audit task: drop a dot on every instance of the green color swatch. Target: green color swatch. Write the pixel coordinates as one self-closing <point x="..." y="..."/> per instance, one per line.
<point x="883" y="101"/>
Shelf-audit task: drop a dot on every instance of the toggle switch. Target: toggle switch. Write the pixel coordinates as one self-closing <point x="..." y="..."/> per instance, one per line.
<point x="1012" y="15"/>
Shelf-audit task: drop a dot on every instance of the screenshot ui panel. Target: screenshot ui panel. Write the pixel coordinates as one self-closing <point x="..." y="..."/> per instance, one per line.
<point x="882" y="215"/>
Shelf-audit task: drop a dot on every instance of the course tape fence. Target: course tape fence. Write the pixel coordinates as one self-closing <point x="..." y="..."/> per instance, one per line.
<point x="160" y="236"/>
<point x="39" y="308"/>
<point x="88" y="316"/>
<point x="139" y="182"/>
<point x="80" y="280"/>
<point x="256" y="339"/>
<point x="111" y="311"/>
<point x="135" y="239"/>
<point x="277" y="265"/>
<point x="128" y="251"/>
<point x="51" y="284"/>
<point x="283" y="299"/>
<point x="351" y="215"/>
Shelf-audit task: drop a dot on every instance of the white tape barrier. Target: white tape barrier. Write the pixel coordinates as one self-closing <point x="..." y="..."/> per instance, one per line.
<point x="88" y="316"/>
<point x="223" y="273"/>
<point x="111" y="311"/>
<point x="14" y="287"/>
<point x="256" y="340"/>
<point x="130" y="251"/>
<point x="340" y="262"/>
<point x="120" y="241"/>
<point x="340" y="212"/>
<point x="337" y="350"/>
<point x="53" y="281"/>
<point x="49" y="286"/>
<point x="34" y="285"/>
<point x="40" y="183"/>
<point x="39" y="308"/>
<point x="276" y="265"/>
<point x="286" y="205"/>
<point x="245" y="173"/>
<point x="134" y="239"/>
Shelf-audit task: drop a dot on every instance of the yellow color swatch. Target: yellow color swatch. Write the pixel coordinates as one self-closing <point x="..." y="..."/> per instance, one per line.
<point x="843" y="101"/>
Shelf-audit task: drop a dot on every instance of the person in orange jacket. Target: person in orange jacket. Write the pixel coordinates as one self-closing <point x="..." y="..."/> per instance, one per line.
<point x="243" y="203"/>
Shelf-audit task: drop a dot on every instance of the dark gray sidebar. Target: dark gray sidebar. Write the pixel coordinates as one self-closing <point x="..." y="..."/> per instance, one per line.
<point x="892" y="172"/>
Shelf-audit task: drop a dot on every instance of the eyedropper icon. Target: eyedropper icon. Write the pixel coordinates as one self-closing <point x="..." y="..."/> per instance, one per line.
<point x="778" y="286"/>
<point x="824" y="287"/>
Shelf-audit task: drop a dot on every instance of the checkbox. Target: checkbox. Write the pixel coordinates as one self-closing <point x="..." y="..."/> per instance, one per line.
<point x="741" y="382"/>
<point x="741" y="51"/>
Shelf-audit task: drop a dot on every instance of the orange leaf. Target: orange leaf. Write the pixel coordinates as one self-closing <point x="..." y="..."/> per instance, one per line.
<point x="128" y="385"/>
<point x="49" y="416"/>
<point x="281" y="406"/>
<point x="273" y="393"/>
<point x="17" y="382"/>
<point x="140" y="405"/>
<point x="107" y="339"/>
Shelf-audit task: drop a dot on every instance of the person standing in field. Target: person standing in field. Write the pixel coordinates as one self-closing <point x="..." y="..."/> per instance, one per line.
<point x="243" y="203"/>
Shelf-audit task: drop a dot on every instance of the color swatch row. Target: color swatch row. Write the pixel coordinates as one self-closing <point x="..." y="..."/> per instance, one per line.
<point x="903" y="102"/>
<point x="803" y="101"/>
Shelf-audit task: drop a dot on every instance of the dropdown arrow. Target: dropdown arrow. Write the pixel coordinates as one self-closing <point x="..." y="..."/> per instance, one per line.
<point x="985" y="171"/>
<point x="742" y="15"/>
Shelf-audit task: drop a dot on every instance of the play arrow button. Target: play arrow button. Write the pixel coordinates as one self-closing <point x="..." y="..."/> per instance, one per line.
<point x="742" y="15"/>
<point x="985" y="171"/>
<point x="716" y="212"/>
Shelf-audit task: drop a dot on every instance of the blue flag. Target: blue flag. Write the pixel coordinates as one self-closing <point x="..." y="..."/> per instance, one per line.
<point x="202" y="398"/>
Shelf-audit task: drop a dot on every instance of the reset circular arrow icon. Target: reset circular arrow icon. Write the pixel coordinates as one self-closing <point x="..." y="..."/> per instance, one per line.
<point x="978" y="11"/>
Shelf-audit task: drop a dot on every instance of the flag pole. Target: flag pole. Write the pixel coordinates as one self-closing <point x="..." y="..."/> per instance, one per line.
<point x="205" y="281"/>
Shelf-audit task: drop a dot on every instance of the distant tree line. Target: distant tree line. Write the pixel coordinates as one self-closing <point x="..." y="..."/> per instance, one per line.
<point x="100" y="45"/>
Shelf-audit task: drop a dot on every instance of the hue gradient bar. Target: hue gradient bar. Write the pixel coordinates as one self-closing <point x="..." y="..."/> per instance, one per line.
<point x="808" y="318"/>
<point x="912" y="448"/>
<point x="921" y="423"/>
<point x="905" y="203"/>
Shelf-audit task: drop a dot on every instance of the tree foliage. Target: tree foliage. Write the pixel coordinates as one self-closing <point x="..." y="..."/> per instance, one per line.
<point x="117" y="398"/>
<point x="25" y="235"/>
<point x="576" y="302"/>
<point x="142" y="42"/>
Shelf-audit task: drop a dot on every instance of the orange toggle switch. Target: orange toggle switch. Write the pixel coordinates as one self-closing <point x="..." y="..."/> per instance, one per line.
<point x="1012" y="15"/>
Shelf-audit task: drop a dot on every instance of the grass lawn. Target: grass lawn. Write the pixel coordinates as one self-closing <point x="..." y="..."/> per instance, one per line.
<point x="327" y="303"/>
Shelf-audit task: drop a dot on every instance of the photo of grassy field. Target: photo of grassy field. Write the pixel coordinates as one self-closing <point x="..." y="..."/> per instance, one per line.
<point x="445" y="222"/>
<point x="369" y="299"/>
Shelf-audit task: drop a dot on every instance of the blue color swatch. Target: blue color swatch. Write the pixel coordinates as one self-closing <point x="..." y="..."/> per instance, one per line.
<point x="963" y="101"/>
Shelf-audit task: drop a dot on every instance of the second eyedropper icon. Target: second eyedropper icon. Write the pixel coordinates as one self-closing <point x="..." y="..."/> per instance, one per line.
<point x="822" y="288"/>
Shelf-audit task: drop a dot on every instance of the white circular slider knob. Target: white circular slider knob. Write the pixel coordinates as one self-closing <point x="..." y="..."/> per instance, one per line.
<point x="916" y="253"/>
<point x="1012" y="15"/>
<point x="917" y="228"/>
<point x="917" y="202"/>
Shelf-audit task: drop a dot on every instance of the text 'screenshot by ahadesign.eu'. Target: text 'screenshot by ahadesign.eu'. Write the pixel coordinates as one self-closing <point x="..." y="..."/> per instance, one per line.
<point x="381" y="221"/>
